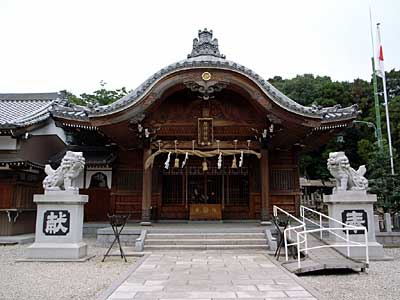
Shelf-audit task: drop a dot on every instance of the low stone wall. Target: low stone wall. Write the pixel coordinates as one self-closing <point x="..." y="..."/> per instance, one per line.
<point x="270" y="235"/>
<point x="388" y="239"/>
<point x="90" y="229"/>
<point x="105" y="236"/>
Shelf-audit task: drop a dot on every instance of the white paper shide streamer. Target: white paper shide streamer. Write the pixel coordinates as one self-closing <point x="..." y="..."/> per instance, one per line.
<point x="241" y="159"/>
<point x="186" y="158"/>
<point x="219" y="164"/>
<point x="166" y="164"/>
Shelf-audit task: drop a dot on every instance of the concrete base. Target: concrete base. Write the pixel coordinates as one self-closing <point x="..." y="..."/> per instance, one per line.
<point x="129" y="252"/>
<point x="90" y="229"/>
<point x="55" y="260"/>
<point x="388" y="239"/>
<point x="357" y="204"/>
<point x="375" y="251"/>
<point x="57" y="250"/>
<point x="128" y="236"/>
<point x="59" y="226"/>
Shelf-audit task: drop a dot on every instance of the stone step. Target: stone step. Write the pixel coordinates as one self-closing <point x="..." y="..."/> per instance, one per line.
<point x="247" y="241"/>
<point x="175" y="236"/>
<point x="205" y="247"/>
<point x="204" y="230"/>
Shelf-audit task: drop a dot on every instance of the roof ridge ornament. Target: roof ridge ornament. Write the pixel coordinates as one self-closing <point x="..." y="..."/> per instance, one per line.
<point x="205" y="45"/>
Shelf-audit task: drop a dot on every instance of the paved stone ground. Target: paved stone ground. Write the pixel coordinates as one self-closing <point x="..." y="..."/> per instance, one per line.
<point x="210" y="275"/>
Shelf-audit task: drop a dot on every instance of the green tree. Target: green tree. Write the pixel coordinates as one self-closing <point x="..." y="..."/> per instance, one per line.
<point x="381" y="182"/>
<point x="98" y="97"/>
<point x="359" y="139"/>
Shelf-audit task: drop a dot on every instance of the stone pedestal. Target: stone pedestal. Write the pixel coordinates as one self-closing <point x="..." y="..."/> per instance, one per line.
<point x="59" y="226"/>
<point x="354" y="208"/>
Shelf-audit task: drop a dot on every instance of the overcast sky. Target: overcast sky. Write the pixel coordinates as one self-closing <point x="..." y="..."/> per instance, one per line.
<point x="55" y="45"/>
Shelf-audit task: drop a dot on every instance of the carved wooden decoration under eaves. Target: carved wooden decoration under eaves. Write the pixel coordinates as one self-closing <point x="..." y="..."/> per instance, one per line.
<point x="205" y="88"/>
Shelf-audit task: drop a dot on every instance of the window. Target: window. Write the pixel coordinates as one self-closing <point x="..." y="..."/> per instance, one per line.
<point x="98" y="180"/>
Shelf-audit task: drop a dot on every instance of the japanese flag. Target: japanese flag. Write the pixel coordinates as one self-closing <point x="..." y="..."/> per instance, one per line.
<point x="380" y="70"/>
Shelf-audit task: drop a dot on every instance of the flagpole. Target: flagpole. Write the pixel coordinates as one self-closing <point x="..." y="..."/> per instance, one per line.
<point x="375" y="85"/>
<point x="386" y="108"/>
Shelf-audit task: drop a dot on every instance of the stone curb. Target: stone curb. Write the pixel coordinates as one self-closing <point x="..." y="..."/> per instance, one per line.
<point x="103" y="295"/>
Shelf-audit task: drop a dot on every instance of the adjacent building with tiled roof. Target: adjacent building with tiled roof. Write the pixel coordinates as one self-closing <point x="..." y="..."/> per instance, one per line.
<point x="19" y="110"/>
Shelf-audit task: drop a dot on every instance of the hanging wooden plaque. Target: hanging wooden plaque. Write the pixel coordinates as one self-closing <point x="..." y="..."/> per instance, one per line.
<point x="205" y="131"/>
<point x="205" y="212"/>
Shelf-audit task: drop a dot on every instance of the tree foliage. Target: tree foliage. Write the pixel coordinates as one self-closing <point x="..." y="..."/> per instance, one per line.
<point x="358" y="141"/>
<point x="102" y="96"/>
<point x="381" y="182"/>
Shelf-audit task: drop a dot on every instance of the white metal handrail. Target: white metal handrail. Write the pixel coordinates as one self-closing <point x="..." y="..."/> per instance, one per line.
<point x="321" y="216"/>
<point x="287" y="233"/>
<point x="344" y="227"/>
<point x="301" y="233"/>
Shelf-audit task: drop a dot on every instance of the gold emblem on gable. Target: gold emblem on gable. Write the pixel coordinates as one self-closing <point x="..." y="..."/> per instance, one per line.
<point x="206" y="76"/>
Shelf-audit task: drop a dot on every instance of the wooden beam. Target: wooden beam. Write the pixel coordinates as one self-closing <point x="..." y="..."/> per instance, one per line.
<point x="168" y="144"/>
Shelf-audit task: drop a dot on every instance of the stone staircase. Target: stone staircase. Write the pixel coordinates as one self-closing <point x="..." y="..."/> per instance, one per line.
<point x="206" y="241"/>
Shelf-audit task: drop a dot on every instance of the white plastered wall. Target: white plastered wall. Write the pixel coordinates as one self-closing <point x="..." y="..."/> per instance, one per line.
<point x="8" y="143"/>
<point x="50" y="129"/>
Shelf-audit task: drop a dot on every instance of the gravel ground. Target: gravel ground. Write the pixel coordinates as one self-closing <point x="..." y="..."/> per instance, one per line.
<point x="381" y="282"/>
<point x="25" y="280"/>
<point x="31" y="280"/>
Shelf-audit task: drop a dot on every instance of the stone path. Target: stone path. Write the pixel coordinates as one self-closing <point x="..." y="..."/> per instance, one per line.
<point x="210" y="275"/>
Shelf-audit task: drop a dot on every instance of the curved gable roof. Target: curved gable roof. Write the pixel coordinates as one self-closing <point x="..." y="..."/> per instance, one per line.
<point x="205" y="54"/>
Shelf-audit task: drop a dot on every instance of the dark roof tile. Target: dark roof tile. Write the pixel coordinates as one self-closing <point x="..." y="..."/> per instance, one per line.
<point x="18" y="110"/>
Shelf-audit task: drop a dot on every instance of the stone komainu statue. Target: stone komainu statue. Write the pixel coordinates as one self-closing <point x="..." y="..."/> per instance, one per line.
<point x="346" y="177"/>
<point x="61" y="178"/>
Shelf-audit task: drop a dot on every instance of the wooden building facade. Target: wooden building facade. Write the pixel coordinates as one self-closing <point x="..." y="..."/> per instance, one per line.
<point x="204" y="138"/>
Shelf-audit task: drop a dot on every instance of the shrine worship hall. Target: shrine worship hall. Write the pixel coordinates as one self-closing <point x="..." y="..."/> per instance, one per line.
<point x="202" y="139"/>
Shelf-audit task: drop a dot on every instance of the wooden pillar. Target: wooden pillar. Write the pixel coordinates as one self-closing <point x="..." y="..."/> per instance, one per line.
<point x="146" y="190"/>
<point x="297" y="203"/>
<point x="264" y="185"/>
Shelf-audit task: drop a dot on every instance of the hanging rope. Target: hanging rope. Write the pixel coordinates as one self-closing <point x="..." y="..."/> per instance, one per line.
<point x="204" y="154"/>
